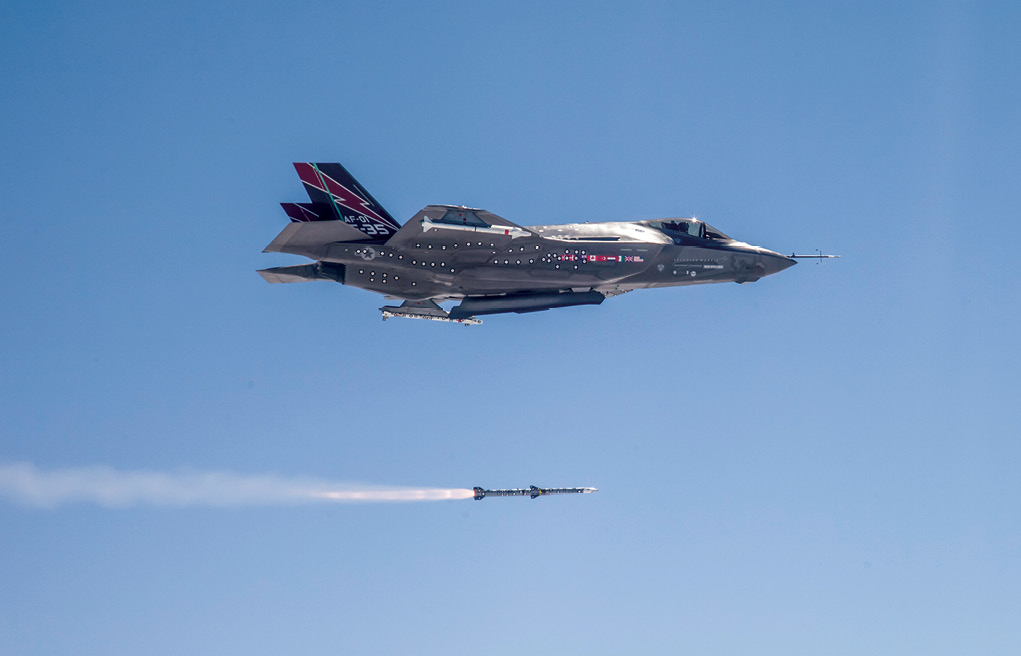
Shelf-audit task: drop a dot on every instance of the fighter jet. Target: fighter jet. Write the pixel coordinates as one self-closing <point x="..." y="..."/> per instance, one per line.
<point x="491" y="265"/>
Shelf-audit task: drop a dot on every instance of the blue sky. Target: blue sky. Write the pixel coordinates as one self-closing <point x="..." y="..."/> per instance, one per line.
<point x="822" y="462"/>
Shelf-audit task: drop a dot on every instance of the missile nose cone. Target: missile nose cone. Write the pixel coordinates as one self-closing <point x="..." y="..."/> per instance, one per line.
<point x="589" y="489"/>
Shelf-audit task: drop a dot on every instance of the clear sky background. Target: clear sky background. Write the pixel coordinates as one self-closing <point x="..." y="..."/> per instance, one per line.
<point x="825" y="461"/>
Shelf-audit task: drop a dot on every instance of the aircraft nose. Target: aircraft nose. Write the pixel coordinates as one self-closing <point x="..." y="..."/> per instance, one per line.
<point x="775" y="263"/>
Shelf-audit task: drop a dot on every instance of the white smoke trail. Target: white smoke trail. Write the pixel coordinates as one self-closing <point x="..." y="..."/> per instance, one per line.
<point x="27" y="485"/>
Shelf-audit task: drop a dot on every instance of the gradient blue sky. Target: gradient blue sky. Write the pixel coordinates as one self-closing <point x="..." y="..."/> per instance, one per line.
<point x="823" y="462"/>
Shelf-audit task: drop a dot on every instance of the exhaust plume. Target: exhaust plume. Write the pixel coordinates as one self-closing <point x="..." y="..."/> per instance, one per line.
<point x="25" y="484"/>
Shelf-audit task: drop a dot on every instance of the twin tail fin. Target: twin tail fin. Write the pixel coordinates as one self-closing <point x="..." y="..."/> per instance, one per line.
<point x="336" y="195"/>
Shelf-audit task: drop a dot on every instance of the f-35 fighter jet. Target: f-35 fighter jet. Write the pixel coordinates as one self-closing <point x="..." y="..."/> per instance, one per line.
<point x="489" y="264"/>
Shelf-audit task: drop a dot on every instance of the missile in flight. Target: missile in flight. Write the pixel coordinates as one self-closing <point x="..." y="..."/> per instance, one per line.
<point x="530" y="491"/>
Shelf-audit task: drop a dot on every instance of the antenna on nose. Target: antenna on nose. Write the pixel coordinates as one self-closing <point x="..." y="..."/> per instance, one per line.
<point x="817" y="256"/>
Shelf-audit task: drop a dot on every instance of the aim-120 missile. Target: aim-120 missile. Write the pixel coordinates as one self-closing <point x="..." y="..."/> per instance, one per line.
<point x="530" y="491"/>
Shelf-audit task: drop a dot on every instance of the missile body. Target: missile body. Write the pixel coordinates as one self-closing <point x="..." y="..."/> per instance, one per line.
<point x="530" y="491"/>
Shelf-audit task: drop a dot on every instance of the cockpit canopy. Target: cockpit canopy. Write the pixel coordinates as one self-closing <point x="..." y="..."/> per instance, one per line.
<point x="676" y="229"/>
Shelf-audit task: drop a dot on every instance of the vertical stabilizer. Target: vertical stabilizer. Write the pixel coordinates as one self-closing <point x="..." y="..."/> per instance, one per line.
<point x="336" y="195"/>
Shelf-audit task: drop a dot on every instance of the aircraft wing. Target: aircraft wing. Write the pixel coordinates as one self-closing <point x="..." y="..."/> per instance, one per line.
<point x="471" y="222"/>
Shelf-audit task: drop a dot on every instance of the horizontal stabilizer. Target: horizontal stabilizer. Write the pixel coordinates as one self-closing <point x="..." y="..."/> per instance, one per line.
<point x="304" y="272"/>
<point x="311" y="238"/>
<point x="296" y="273"/>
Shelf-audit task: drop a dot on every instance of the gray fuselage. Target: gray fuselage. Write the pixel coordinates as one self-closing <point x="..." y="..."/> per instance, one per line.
<point x="440" y="260"/>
